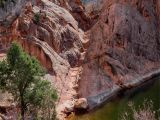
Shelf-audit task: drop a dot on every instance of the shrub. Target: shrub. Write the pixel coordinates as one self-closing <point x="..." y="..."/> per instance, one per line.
<point x="36" y="18"/>
<point x="3" y="2"/>
<point x="144" y="112"/>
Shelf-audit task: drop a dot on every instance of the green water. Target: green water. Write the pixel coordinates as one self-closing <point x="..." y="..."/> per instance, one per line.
<point x="114" y="109"/>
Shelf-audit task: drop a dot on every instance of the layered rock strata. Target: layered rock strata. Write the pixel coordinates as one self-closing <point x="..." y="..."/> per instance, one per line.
<point x="49" y="32"/>
<point x="124" y="47"/>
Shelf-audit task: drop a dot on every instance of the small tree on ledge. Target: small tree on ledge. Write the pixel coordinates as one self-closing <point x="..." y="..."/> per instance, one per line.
<point x="3" y="2"/>
<point x="23" y="77"/>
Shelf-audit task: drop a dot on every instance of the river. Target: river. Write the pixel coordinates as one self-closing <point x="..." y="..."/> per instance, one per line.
<point x="114" y="109"/>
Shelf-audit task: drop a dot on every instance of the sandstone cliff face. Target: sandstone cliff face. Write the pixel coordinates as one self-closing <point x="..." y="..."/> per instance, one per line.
<point x="78" y="12"/>
<point x="124" y="45"/>
<point x="44" y="25"/>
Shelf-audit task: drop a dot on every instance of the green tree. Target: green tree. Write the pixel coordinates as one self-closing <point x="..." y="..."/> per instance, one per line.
<point x="23" y="77"/>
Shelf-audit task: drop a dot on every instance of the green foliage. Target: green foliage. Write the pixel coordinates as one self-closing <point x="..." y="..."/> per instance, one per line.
<point x="37" y="18"/>
<point x="3" y="2"/>
<point x="22" y="76"/>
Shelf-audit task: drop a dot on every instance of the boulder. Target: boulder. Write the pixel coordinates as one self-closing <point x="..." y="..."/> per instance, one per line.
<point x="69" y="107"/>
<point x="81" y="103"/>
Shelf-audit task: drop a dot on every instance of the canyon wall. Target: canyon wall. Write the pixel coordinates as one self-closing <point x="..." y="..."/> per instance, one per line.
<point x="124" y="45"/>
<point x="45" y="30"/>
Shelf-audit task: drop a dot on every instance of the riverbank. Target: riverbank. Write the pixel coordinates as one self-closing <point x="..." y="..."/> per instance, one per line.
<point x="98" y="100"/>
<point x="117" y="107"/>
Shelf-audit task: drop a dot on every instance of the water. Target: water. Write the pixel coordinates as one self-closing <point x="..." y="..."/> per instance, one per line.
<point x="114" y="109"/>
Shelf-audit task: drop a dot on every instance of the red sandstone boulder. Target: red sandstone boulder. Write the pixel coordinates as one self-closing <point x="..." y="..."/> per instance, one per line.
<point x="81" y="103"/>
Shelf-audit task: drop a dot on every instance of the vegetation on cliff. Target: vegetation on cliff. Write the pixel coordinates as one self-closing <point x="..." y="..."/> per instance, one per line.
<point x="23" y="77"/>
<point x="3" y="2"/>
<point x="36" y="18"/>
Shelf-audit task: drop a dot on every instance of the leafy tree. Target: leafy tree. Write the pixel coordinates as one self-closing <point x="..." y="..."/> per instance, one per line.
<point x="23" y="77"/>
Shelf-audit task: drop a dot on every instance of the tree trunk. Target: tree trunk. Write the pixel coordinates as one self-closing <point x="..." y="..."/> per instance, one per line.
<point x="22" y="113"/>
<point x="22" y="109"/>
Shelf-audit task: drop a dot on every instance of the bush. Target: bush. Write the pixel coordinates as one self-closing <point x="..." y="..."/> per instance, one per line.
<point x="3" y="2"/>
<point x="36" y="18"/>
<point x="144" y="112"/>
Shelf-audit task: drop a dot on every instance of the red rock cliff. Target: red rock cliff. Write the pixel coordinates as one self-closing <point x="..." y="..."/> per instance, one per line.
<point x="124" y="45"/>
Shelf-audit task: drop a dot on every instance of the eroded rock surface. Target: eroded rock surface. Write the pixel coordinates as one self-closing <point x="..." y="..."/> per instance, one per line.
<point x="48" y="27"/>
<point x="124" y="45"/>
<point x="49" y="32"/>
